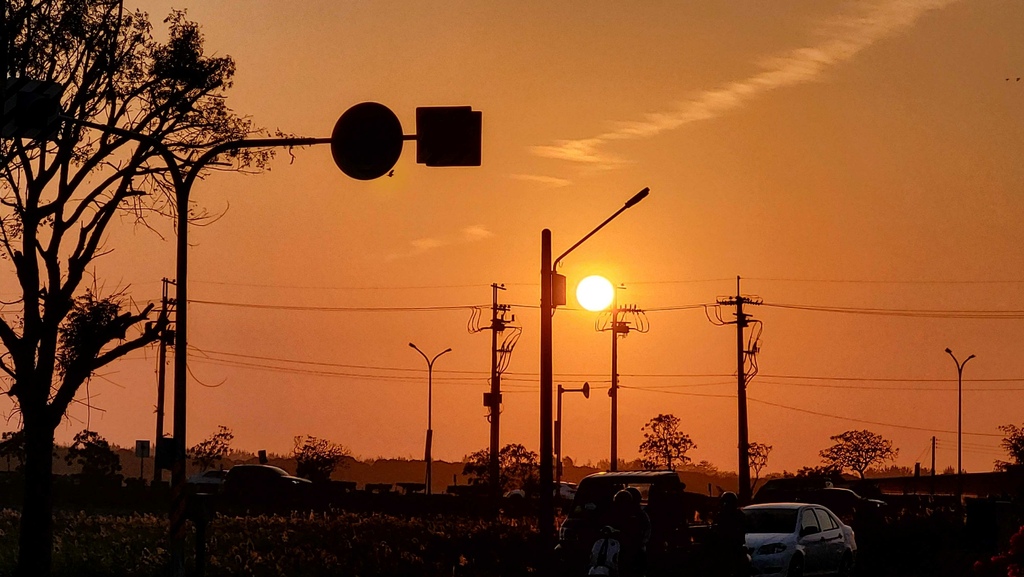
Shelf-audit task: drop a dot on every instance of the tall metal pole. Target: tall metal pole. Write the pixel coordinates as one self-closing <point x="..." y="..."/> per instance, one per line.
<point x="546" y="516"/>
<point x="959" y="420"/>
<point x="183" y="188"/>
<point x="430" y="403"/>
<point x="585" y="389"/>
<point x="430" y="428"/>
<point x="558" y="439"/>
<point x="613" y="392"/>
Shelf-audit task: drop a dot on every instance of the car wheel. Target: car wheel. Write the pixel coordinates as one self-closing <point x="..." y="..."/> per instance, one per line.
<point x="796" y="567"/>
<point x="845" y="566"/>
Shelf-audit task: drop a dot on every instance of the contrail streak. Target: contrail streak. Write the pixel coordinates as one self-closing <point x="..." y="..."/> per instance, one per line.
<point x="848" y="36"/>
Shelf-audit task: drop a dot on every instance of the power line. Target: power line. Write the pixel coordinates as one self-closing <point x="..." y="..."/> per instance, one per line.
<point x="913" y="313"/>
<point x="594" y="377"/>
<point x="990" y="314"/>
<point x="865" y="421"/>
<point x="333" y="309"/>
<point x="892" y="282"/>
<point x="339" y="288"/>
<point x="820" y="414"/>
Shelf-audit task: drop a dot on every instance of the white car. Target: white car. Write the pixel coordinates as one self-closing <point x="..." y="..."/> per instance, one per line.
<point x="796" y="539"/>
<point x="207" y="481"/>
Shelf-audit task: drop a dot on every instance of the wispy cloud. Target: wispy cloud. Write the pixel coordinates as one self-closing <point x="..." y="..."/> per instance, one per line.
<point x="546" y="181"/>
<point x="472" y="233"/>
<point x="475" y="233"/>
<point x="846" y="36"/>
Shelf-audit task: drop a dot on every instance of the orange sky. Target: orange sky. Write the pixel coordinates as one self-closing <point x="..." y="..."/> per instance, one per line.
<point x="860" y="154"/>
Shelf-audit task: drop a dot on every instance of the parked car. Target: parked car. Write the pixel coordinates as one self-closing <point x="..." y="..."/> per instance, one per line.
<point x="207" y="482"/>
<point x="565" y="490"/>
<point x="262" y="485"/>
<point x="797" y="539"/>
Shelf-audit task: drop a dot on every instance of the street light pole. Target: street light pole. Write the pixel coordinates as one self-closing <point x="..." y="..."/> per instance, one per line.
<point x="585" y="389"/>
<point x="548" y="272"/>
<point x="613" y="392"/>
<point x="959" y="420"/>
<point x="182" y="188"/>
<point x="430" y="401"/>
<point x="357" y="157"/>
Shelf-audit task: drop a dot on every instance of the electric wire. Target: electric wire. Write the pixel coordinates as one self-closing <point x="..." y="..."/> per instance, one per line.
<point x="333" y="309"/>
<point x="865" y="421"/>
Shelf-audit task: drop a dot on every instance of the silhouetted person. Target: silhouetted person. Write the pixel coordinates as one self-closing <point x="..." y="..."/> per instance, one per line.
<point x="634" y="528"/>
<point x="729" y="549"/>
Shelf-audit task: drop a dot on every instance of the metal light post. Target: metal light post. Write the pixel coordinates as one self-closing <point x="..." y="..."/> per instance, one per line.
<point x="366" y="143"/>
<point x="430" y="402"/>
<point x="585" y="389"/>
<point x="549" y="277"/>
<point x="959" y="420"/>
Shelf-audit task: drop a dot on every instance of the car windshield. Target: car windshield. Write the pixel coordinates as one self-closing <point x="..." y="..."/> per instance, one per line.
<point x="770" y="520"/>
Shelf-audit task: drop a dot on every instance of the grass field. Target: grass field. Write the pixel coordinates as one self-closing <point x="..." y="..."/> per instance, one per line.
<point x="295" y="546"/>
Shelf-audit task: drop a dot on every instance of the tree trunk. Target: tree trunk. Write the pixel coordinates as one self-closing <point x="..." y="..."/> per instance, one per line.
<point x="35" y="550"/>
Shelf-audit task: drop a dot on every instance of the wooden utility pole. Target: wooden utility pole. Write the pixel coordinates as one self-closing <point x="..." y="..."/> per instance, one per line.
<point x="166" y="338"/>
<point x="743" y="444"/>
<point x="493" y="399"/>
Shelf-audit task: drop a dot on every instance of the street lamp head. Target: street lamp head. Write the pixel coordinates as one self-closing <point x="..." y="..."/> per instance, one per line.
<point x="968" y="358"/>
<point x="595" y="293"/>
<point x="586" y="390"/>
<point x="448" y="350"/>
<point x="638" y="197"/>
<point x="414" y="346"/>
<point x="949" y="351"/>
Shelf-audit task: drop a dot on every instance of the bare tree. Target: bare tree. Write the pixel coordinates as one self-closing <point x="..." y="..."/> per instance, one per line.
<point x="212" y="450"/>
<point x="59" y="196"/>
<point x="316" y="459"/>
<point x="757" y="456"/>
<point x="1013" y="443"/>
<point x="664" y="446"/>
<point x="858" y="450"/>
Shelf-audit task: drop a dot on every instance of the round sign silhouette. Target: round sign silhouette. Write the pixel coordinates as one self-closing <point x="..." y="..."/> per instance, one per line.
<point x="367" y="141"/>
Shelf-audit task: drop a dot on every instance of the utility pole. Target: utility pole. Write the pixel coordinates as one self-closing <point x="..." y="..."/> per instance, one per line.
<point x="933" y="466"/>
<point x="742" y="321"/>
<point x="613" y="392"/>
<point x="492" y="400"/>
<point x="166" y="338"/>
<point x="501" y="353"/>
<point x="620" y="328"/>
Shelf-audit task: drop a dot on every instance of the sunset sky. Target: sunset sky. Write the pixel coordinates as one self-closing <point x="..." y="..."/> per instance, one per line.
<point x="859" y="154"/>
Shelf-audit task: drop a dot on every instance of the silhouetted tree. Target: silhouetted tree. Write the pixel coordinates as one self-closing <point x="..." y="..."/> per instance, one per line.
<point x="58" y="198"/>
<point x="317" y="458"/>
<point x="1013" y="443"/>
<point x="212" y="450"/>
<point x="757" y="455"/>
<point x="94" y="455"/>
<point x="518" y="467"/>
<point x="858" y="450"/>
<point x="13" y="445"/>
<point x="664" y="445"/>
<point x="827" y="471"/>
